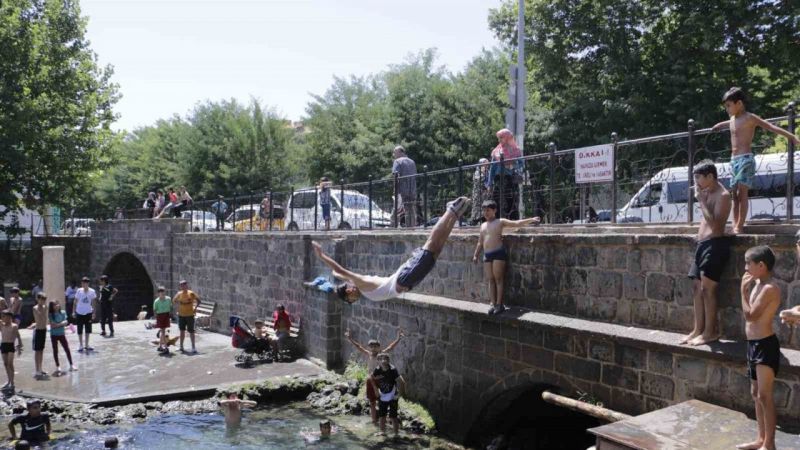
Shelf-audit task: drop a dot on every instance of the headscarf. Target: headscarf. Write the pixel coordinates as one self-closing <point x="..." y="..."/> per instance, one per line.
<point x="506" y="147"/>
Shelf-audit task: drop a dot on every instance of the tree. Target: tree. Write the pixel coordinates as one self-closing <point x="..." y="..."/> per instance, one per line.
<point x="55" y="105"/>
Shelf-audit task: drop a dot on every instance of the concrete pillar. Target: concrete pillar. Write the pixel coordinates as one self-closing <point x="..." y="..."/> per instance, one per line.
<point x="53" y="271"/>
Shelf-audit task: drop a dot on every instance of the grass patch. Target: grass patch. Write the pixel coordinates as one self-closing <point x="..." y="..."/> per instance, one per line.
<point x="356" y="371"/>
<point x="419" y="412"/>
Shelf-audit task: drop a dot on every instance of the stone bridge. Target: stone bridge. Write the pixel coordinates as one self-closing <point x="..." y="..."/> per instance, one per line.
<point x="596" y="312"/>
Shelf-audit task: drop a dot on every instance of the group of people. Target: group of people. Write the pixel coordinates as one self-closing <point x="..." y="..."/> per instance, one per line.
<point x="172" y="203"/>
<point x="185" y="303"/>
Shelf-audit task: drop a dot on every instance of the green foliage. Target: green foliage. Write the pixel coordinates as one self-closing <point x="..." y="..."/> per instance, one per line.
<point x="55" y="104"/>
<point x="222" y="148"/>
<point x="642" y="67"/>
<point x="355" y="371"/>
<point x="418" y="411"/>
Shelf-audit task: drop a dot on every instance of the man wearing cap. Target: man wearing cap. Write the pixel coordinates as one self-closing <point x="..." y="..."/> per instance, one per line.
<point x="219" y="208"/>
<point x="107" y="293"/>
<point x="187" y="302"/>
<point x="83" y="311"/>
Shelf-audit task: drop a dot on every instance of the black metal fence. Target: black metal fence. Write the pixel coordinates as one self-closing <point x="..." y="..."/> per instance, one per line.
<point x="651" y="182"/>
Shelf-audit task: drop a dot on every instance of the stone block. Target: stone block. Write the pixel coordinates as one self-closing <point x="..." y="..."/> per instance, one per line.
<point x="605" y="284"/>
<point x="531" y="336"/>
<point x="659" y="362"/>
<point x="536" y="357"/>
<point x="677" y="260"/>
<point x="575" y="281"/>
<point x="683" y="291"/>
<point x="633" y="286"/>
<point x="687" y="368"/>
<point x="601" y="350"/>
<point x="635" y="261"/>
<point x="653" y="404"/>
<point x="616" y="376"/>
<point x="626" y="402"/>
<point x="580" y="346"/>
<point x="612" y="257"/>
<point x="434" y="359"/>
<point x="781" y="392"/>
<point x="658" y="386"/>
<point x="651" y="260"/>
<point x="583" y="369"/>
<point x="633" y="357"/>
<point x="586" y="257"/>
<point x="660" y="287"/>
<point x="557" y="341"/>
<point x="566" y="256"/>
<point x="495" y="347"/>
<point x="680" y="318"/>
<point x="512" y="351"/>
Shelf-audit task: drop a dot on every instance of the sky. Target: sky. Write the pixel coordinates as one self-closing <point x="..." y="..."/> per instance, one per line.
<point x="168" y="55"/>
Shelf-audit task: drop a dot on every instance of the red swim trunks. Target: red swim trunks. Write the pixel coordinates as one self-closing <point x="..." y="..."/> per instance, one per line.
<point x="162" y="320"/>
<point x="371" y="394"/>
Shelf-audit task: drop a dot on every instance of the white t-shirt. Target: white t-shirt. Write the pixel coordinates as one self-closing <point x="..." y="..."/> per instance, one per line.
<point x="386" y="290"/>
<point x="83" y="301"/>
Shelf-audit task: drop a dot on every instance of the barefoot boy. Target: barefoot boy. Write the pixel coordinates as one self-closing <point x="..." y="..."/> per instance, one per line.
<point x="389" y="385"/>
<point x="742" y="125"/>
<point x="494" y="254"/>
<point x="372" y="351"/>
<point x="411" y="273"/>
<point x="711" y="255"/>
<point x="9" y="332"/>
<point x="39" y="327"/>
<point x="162" y="308"/>
<point x="761" y="298"/>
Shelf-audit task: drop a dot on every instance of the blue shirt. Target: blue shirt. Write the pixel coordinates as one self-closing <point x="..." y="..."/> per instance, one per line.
<point x="219" y="207"/>
<point x="57" y="317"/>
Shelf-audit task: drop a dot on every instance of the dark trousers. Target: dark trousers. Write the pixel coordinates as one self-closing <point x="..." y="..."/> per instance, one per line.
<point x="509" y="191"/>
<point x="220" y="222"/>
<point x="106" y="316"/>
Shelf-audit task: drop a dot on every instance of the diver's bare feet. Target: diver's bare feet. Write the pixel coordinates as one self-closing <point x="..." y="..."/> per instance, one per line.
<point x="737" y="230"/>
<point x="704" y="339"/>
<point x="755" y="445"/>
<point x="690" y="336"/>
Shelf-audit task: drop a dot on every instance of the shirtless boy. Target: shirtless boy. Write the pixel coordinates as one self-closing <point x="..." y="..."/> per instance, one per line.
<point x="411" y="273"/>
<point x="13" y="304"/>
<point x="712" y="253"/>
<point x="761" y="298"/>
<point x="494" y="253"/>
<point x="372" y="351"/>
<point x="791" y="316"/>
<point x="39" y="327"/>
<point x="9" y="332"/>
<point x="742" y="125"/>
<point x="232" y="409"/>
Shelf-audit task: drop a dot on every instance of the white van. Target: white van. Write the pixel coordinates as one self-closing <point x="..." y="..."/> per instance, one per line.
<point x="300" y="211"/>
<point x="664" y="197"/>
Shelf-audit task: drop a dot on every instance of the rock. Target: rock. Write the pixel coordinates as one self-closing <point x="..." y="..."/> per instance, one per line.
<point x="342" y="387"/>
<point x="327" y="390"/>
<point x="135" y="411"/>
<point x="353" y="386"/>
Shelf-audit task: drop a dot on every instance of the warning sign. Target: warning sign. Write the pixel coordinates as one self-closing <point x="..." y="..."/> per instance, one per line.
<point x="594" y="164"/>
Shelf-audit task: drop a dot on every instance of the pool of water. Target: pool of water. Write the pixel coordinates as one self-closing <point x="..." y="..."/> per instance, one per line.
<point x="288" y="427"/>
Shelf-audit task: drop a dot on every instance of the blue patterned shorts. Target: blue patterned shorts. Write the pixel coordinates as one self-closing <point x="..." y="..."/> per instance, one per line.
<point x="744" y="170"/>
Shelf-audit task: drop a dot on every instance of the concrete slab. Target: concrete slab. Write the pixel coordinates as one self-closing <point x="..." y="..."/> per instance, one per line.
<point x="127" y="368"/>
<point x="689" y="425"/>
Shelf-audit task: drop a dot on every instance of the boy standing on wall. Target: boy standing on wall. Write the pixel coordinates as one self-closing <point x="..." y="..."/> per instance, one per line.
<point x="712" y="253"/>
<point x="761" y="298"/>
<point x="742" y="125"/>
<point x="372" y="351"/>
<point x="494" y="253"/>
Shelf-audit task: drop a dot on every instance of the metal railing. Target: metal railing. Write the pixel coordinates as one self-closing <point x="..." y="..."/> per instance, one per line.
<point x="651" y="182"/>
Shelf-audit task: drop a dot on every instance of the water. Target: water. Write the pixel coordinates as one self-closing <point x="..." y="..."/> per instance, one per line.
<point x="288" y="427"/>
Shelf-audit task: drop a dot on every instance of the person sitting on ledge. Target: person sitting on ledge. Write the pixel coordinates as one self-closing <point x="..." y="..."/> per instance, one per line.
<point x="411" y="273"/>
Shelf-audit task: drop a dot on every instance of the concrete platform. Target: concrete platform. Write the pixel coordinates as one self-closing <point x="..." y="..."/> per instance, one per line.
<point x="127" y="368"/>
<point x="689" y="425"/>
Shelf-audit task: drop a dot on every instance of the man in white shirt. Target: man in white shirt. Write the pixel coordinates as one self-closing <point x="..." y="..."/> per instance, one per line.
<point x="411" y="273"/>
<point x="83" y="311"/>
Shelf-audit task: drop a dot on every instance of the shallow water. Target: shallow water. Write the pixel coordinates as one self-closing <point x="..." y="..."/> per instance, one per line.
<point x="279" y="428"/>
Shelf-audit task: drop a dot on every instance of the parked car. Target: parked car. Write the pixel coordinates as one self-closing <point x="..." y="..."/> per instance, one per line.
<point x="664" y="198"/>
<point x="305" y="210"/>
<point x="77" y="227"/>
<point x="240" y="218"/>
<point x="203" y="220"/>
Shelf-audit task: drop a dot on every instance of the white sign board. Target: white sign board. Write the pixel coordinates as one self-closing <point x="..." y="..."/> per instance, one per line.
<point x="594" y="164"/>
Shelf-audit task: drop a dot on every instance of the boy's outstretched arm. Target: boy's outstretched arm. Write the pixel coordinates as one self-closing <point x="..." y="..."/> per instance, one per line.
<point x="519" y="223"/>
<point x="721" y="125"/>
<point x="338" y="270"/>
<point x="360" y="347"/>
<point x="393" y="344"/>
<point x="791" y="315"/>
<point x="775" y="129"/>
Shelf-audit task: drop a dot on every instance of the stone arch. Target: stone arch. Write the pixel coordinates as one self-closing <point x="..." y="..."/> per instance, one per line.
<point x="127" y="273"/>
<point x="514" y="406"/>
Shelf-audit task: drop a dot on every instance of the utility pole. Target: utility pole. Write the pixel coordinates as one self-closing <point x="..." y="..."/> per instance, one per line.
<point x="519" y="107"/>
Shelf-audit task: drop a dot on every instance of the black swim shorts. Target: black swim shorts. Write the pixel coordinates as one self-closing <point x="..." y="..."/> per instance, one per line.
<point x="416" y="268"/>
<point x="710" y="258"/>
<point x="39" y="337"/>
<point x="766" y="351"/>
<point x="186" y="323"/>
<point x="6" y="347"/>
<point x="387" y="408"/>
<point x="499" y="254"/>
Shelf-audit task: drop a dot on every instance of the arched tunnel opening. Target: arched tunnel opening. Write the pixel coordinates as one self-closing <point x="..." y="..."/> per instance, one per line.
<point x="128" y="275"/>
<point x="519" y="419"/>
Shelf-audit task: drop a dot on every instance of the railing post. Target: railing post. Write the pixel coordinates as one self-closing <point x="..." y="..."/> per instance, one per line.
<point x="251" y="211"/>
<point x="341" y="203"/>
<point x="551" y="147"/>
<point x="291" y="208"/>
<point x="191" y="220"/>
<point x="690" y="144"/>
<point x="460" y="186"/>
<point x="316" y="208"/>
<point x="394" y="188"/>
<point x="233" y="208"/>
<point x="790" y="109"/>
<point x="270" y="209"/>
<point x="203" y="214"/>
<point x="369" y="195"/>
<point x="502" y="186"/>
<point x="614" y="140"/>
<point x="424" y="199"/>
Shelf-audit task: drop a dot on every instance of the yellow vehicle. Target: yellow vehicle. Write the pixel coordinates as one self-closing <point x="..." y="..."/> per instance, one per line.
<point x="241" y="218"/>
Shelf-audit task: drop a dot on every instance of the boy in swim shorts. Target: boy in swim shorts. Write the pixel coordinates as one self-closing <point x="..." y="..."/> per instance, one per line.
<point x="761" y="298"/>
<point x="742" y="126"/>
<point x="411" y="273"/>
<point x="39" y="327"/>
<point x="9" y="332"/>
<point x="371" y="352"/>
<point x="494" y="253"/>
<point x="389" y="385"/>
